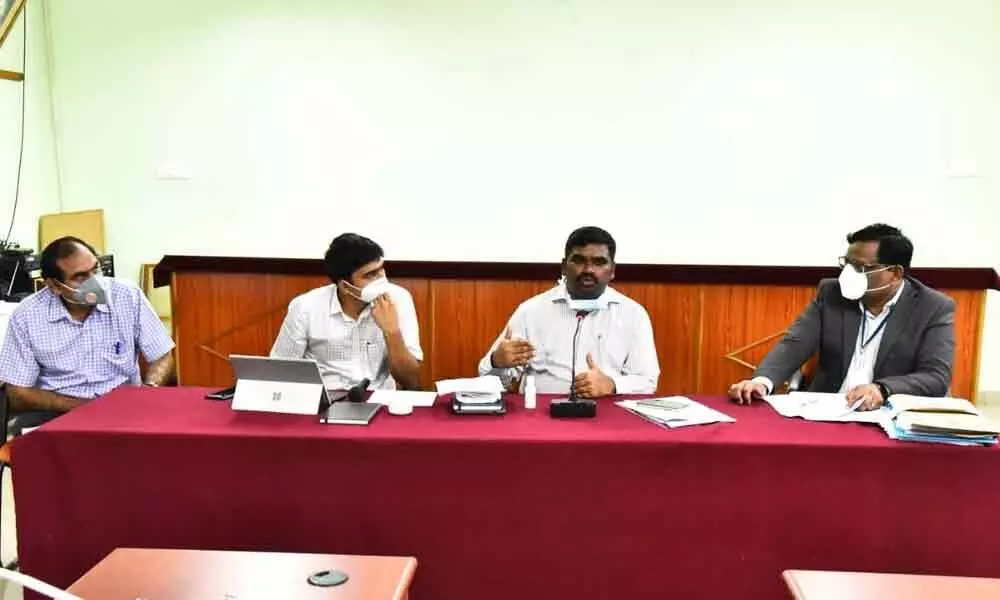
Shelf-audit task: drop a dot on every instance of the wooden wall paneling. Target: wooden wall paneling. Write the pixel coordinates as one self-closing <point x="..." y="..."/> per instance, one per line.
<point x="420" y="289"/>
<point x="219" y="314"/>
<point x="467" y="317"/>
<point x="751" y="317"/>
<point x="675" y="311"/>
<point x="968" y="321"/>
<point x="696" y="325"/>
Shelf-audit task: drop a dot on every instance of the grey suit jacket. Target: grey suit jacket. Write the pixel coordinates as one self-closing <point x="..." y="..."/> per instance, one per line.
<point x="914" y="357"/>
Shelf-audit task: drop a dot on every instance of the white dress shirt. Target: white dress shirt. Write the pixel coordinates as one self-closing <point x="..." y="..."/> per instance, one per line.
<point x="619" y="336"/>
<point x="862" y="368"/>
<point x="347" y="350"/>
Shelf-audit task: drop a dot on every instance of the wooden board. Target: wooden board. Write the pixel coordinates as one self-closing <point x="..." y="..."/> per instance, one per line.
<point x="88" y="225"/>
<point x="704" y="332"/>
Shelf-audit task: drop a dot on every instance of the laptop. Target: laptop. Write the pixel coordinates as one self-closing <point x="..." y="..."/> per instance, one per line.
<point x="278" y="385"/>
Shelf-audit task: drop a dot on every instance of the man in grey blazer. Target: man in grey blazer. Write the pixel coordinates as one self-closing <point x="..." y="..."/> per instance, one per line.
<point x="878" y="331"/>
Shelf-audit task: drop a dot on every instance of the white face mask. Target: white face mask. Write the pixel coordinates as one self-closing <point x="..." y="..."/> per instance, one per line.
<point x="586" y="305"/>
<point x="854" y="284"/>
<point x="370" y="292"/>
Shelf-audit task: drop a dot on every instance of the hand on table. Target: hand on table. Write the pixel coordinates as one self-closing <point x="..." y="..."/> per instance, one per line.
<point x="747" y="391"/>
<point x="869" y="393"/>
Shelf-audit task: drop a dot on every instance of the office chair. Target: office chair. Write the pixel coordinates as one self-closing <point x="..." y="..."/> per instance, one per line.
<point x="4" y="455"/>
<point x="26" y="581"/>
<point x="797" y="381"/>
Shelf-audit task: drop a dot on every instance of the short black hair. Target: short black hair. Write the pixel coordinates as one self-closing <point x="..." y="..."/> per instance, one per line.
<point x="590" y="235"/>
<point x="894" y="248"/>
<point x="347" y="253"/>
<point x="59" y="249"/>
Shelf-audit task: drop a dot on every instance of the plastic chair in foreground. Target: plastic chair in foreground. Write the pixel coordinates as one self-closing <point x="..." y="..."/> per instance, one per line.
<point x="29" y="582"/>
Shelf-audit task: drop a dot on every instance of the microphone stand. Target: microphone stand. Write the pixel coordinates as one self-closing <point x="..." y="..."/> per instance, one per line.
<point x="574" y="407"/>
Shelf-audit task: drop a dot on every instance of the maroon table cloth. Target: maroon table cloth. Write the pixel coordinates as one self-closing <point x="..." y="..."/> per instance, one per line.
<point x="519" y="506"/>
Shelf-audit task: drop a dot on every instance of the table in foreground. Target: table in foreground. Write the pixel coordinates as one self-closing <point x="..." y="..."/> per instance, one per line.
<point x="837" y="585"/>
<point x="520" y="506"/>
<point x="160" y="574"/>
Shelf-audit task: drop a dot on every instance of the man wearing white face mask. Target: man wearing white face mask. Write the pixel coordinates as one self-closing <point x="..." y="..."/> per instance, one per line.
<point x="359" y="327"/>
<point x="79" y="337"/>
<point x="877" y="330"/>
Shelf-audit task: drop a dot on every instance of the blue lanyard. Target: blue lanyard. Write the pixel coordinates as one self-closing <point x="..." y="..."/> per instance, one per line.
<point x="864" y="322"/>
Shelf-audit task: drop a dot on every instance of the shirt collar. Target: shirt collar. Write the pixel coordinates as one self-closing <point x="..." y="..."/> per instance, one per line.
<point x="335" y="307"/>
<point x="58" y="310"/>
<point x="888" y="305"/>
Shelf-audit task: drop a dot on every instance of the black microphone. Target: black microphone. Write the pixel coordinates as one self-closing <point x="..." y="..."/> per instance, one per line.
<point x="580" y="316"/>
<point x="357" y="393"/>
<point x="574" y="406"/>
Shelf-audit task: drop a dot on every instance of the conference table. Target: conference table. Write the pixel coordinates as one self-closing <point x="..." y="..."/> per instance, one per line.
<point x="518" y="506"/>
<point x="162" y="574"/>
<point x="836" y="585"/>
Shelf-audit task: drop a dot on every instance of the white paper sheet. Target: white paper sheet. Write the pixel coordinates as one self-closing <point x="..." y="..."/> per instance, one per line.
<point x="692" y="413"/>
<point x="416" y="399"/>
<point x="487" y="384"/>
<point x="813" y="406"/>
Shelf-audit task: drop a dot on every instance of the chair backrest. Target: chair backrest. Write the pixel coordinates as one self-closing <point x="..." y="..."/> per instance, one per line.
<point x="4" y="409"/>
<point x="27" y="581"/>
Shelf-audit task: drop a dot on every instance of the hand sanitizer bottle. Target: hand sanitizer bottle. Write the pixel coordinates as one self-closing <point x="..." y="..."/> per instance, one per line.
<point x="529" y="392"/>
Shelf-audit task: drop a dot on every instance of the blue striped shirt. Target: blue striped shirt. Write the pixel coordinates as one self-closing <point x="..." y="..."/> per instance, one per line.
<point x="48" y="349"/>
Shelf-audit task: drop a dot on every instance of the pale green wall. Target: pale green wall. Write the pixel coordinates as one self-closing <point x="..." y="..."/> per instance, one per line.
<point x="39" y="188"/>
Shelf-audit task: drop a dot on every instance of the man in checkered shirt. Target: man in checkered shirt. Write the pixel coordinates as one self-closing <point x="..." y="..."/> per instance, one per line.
<point x="359" y="327"/>
<point x="79" y="337"/>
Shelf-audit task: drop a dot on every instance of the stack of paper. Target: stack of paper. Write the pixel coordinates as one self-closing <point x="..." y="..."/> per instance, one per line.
<point x="939" y="420"/>
<point x="476" y="390"/>
<point x="675" y="411"/>
<point x="813" y="406"/>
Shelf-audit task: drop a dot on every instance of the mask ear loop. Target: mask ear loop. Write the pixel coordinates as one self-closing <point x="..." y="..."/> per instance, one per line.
<point x="881" y="287"/>
<point x="76" y="294"/>
<point x="351" y="290"/>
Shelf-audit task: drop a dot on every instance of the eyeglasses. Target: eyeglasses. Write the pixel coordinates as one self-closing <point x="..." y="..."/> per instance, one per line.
<point x="843" y="261"/>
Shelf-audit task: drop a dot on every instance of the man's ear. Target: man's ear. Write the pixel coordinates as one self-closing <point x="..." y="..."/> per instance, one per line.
<point x="53" y="286"/>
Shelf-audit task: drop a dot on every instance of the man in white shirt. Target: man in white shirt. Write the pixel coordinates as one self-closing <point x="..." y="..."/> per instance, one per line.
<point x="878" y="331"/>
<point x="359" y="327"/>
<point x="615" y="350"/>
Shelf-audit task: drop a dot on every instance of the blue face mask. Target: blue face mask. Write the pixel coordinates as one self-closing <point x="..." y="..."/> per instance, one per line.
<point x="587" y="305"/>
